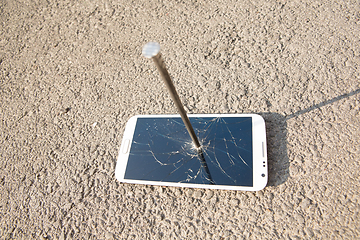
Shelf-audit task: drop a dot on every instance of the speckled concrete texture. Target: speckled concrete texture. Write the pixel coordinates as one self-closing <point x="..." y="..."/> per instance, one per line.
<point x="72" y="74"/>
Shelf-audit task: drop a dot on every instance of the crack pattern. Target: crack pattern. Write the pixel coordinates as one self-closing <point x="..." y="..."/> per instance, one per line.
<point x="162" y="150"/>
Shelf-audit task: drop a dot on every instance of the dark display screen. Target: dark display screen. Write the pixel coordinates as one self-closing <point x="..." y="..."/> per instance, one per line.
<point x="162" y="150"/>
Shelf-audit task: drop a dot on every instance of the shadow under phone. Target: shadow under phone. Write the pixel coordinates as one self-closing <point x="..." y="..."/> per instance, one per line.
<point x="278" y="160"/>
<point x="276" y="132"/>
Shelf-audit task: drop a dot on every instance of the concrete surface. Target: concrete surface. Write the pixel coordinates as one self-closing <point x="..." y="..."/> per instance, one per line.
<point x="72" y="74"/>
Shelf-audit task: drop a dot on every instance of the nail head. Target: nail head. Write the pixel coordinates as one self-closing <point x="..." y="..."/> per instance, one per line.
<point x="151" y="49"/>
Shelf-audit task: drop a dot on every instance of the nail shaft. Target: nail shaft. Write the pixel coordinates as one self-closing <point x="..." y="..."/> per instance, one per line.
<point x="152" y="50"/>
<point x="175" y="97"/>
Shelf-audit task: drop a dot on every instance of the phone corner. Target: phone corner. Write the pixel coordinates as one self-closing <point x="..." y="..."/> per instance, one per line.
<point x="261" y="187"/>
<point x="258" y="117"/>
<point x="133" y="118"/>
<point x="118" y="175"/>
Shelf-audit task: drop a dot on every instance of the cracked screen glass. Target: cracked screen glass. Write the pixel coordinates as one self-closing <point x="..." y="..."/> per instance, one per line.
<point x="162" y="150"/>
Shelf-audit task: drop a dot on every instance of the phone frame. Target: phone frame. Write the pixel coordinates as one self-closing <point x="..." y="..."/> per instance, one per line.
<point x="260" y="169"/>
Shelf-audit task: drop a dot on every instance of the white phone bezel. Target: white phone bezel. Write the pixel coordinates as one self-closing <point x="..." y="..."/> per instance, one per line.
<point x="260" y="170"/>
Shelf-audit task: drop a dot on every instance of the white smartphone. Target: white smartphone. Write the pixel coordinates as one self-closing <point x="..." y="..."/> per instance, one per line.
<point x="158" y="150"/>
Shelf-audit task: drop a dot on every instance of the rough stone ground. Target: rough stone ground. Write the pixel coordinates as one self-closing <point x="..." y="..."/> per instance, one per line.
<point x="72" y="74"/>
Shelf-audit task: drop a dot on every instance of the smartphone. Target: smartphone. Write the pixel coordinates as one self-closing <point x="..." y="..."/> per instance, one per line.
<point x="158" y="150"/>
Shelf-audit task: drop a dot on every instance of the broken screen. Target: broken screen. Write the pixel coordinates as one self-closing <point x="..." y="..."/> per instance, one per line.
<point x="162" y="150"/>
